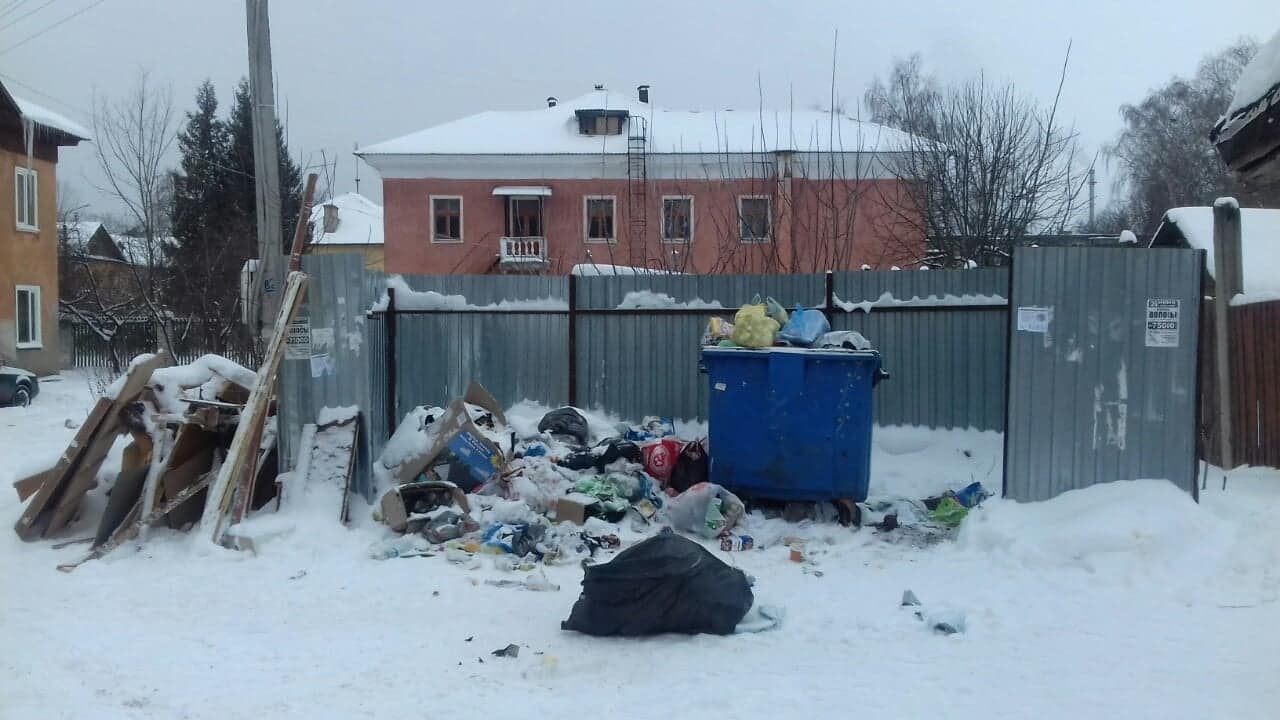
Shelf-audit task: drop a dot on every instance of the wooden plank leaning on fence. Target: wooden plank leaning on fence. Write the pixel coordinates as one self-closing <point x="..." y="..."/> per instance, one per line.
<point x="237" y="472"/>
<point x="59" y="496"/>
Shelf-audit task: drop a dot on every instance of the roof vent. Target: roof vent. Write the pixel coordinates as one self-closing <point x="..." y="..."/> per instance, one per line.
<point x="642" y="92"/>
<point x="599" y="86"/>
<point x="551" y="101"/>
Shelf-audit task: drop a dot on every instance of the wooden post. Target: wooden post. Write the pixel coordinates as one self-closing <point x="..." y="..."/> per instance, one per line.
<point x="1228" y="281"/>
<point x="389" y="333"/>
<point x="304" y="219"/>
<point x="573" y="340"/>
<point x="266" y="169"/>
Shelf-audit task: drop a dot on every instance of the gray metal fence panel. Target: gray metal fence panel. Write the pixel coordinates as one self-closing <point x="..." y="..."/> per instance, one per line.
<point x="515" y="356"/>
<point x="1090" y="398"/>
<point x="634" y="365"/>
<point x="947" y="364"/>
<point x="377" y="410"/>
<point x="338" y="294"/>
<point x="486" y="289"/>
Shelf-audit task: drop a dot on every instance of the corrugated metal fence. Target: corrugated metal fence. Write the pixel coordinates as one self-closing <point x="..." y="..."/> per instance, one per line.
<point x="942" y="334"/>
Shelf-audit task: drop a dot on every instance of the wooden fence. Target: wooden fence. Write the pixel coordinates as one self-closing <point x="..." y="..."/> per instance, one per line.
<point x="88" y="349"/>
<point x="1255" y="385"/>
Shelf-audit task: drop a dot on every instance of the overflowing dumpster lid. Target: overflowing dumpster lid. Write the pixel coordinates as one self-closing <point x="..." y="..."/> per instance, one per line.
<point x="834" y="352"/>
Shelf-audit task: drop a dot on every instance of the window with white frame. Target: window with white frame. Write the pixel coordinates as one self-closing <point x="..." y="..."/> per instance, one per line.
<point x="677" y="219"/>
<point x="26" y="191"/>
<point x="446" y="218"/>
<point x="598" y="218"/>
<point x="28" y="320"/>
<point x="754" y="216"/>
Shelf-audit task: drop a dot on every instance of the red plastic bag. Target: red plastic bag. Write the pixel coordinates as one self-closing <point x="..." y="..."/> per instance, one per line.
<point x="660" y="458"/>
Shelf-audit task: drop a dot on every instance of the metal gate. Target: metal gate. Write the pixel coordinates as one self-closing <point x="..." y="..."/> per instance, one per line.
<point x="1102" y="368"/>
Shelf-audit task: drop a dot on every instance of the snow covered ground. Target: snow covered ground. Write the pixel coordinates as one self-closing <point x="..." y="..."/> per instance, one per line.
<point x="1122" y="600"/>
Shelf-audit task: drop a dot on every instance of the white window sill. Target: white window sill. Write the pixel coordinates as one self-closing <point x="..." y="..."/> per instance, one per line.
<point x="28" y="228"/>
<point x="602" y="241"/>
<point x="30" y="346"/>
<point x="677" y="241"/>
<point x="444" y="241"/>
<point x="754" y="241"/>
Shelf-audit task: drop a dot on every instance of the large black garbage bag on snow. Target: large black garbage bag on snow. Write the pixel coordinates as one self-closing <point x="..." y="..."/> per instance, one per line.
<point x="665" y="584"/>
<point x="565" y="421"/>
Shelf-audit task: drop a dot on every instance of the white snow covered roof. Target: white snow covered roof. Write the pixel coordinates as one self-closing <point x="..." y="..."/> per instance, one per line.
<point x="1259" y="241"/>
<point x="554" y="130"/>
<point x="359" y="222"/>
<point x="41" y="115"/>
<point x="79" y="233"/>
<point x="1260" y="76"/>
<point x="137" y="251"/>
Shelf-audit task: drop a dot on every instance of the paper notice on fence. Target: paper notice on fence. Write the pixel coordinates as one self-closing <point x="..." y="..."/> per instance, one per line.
<point x="1163" y="320"/>
<point x="297" y="344"/>
<point x="322" y="365"/>
<point x="1034" y="319"/>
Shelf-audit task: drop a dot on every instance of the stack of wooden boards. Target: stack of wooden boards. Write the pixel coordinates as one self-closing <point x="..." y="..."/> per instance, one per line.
<point x="210" y="464"/>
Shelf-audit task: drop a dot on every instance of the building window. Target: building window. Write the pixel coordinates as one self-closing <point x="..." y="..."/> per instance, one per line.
<point x="677" y="219"/>
<point x="524" y="216"/>
<point x="753" y="218"/>
<point x="446" y="219"/>
<point x="598" y="213"/>
<point x="600" y="122"/>
<point x="26" y="191"/>
<point x="28" y="306"/>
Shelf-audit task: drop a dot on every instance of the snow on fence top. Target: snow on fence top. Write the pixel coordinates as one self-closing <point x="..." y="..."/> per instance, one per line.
<point x="554" y="130"/>
<point x="649" y="300"/>
<point x="41" y="115"/>
<point x="1259" y="246"/>
<point x="888" y="300"/>
<point x="409" y="299"/>
<point x="594" y="270"/>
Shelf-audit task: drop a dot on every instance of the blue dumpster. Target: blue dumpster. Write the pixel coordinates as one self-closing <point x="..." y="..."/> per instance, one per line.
<point x="790" y="423"/>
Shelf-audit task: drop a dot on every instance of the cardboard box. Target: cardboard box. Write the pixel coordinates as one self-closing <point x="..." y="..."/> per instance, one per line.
<point x="461" y="454"/>
<point x="575" y="508"/>
<point x="397" y="501"/>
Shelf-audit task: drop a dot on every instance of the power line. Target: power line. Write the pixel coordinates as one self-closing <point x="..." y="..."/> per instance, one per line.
<point x="37" y="34"/>
<point x="46" y="95"/>
<point x="20" y="18"/>
<point x="11" y="7"/>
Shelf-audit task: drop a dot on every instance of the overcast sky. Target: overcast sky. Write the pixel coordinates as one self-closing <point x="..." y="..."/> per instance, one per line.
<point x="359" y="72"/>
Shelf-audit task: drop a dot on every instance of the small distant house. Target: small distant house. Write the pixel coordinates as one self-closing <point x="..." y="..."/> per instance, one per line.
<point x="349" y="223"/>
<point x="100" y="272"/>
<point x="611" y="179"/>
<point x="1192" y="227"/>
<point x="30" y="137"/>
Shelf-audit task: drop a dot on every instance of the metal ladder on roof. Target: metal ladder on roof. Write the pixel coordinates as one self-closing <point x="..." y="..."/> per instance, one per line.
<point x="637" y="190"/>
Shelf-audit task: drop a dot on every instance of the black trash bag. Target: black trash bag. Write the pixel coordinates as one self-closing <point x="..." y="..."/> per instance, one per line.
<point x="567" y="422"/>
<point x="692" y="467"/>
<point x="667" y="583"/>
<point x="604" y="453"/>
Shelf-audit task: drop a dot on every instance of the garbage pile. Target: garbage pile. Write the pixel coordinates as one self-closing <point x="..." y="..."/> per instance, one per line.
<point x="465" y="484"/>
<point x="762" y="324"/>
<point x="181" y="422"/>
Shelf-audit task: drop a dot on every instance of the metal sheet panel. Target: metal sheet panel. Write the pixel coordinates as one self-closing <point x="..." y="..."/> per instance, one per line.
<point x="340" y="290"/>
<point x="1090" y="399"/>
<point x="947" y="363"/>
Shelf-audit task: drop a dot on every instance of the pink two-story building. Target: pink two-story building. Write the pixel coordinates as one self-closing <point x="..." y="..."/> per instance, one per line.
<point x="607" y="179"/>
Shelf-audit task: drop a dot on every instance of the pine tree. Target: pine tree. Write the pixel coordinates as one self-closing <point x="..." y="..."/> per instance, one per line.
<point x="240" y="158"/>
<point x="207" y="256"/>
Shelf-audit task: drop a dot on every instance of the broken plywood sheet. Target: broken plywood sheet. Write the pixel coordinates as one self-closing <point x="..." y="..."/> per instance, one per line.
<point x="50" y="492"/>
<point x="84" y="476"/>
<point x="28" y="486"/>
<point x="192" y="457"/>
<point x="332" y="457"/>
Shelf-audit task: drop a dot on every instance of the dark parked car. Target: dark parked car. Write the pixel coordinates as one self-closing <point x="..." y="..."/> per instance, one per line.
<point x="17" y="387"/>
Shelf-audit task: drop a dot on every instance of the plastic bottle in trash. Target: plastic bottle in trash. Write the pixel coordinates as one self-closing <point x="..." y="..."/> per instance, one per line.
<point x="538" y="581"/>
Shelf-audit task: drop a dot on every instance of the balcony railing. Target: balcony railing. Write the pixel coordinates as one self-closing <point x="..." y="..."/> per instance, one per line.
<point x="515" y="252"/>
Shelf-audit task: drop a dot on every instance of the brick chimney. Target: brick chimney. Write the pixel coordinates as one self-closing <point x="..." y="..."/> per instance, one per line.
<point x="551" y="101"/>
<point x="330" y="218"/>
<point x="642" y="92"/>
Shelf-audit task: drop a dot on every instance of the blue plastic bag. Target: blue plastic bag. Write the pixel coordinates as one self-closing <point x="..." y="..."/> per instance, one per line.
<point x="804" y="327"/>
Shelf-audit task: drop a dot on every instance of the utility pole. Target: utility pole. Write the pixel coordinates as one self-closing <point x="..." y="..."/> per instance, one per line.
<point x="354" y="148"/>
<point x="266" y="169"/>
<point x="1092" y="182"/>
<point x="1228" y="280"/>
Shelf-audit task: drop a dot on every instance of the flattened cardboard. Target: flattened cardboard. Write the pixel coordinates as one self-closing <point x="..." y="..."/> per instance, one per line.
<point x="395" y="512"/>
